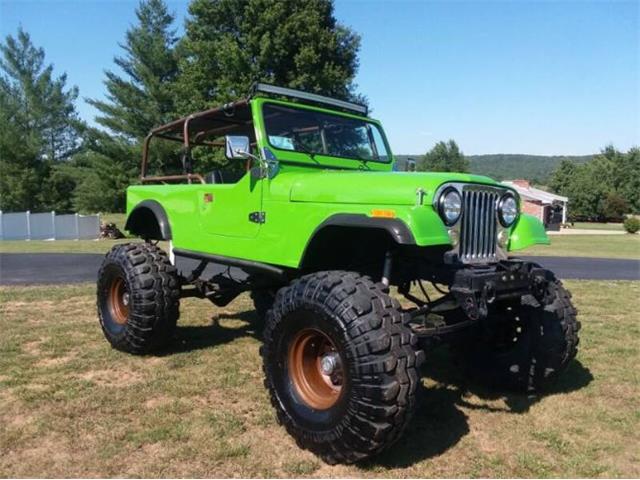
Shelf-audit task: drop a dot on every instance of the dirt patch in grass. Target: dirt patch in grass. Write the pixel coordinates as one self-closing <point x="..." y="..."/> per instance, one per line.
<point x="73" y="406"/>
<point x="112" y="378"/>
<point x="54" y="361"/>
<point x="159" y="401"/>
<point x="33" y="348"/>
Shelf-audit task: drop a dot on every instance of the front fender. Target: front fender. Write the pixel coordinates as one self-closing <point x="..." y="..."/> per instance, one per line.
<point x="528" y="231"/>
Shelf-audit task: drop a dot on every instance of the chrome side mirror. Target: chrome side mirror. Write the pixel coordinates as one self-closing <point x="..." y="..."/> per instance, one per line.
<point x="237" y="146"/>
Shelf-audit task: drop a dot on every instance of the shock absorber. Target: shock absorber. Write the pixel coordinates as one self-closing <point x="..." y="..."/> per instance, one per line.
<point x="386" y="269"/>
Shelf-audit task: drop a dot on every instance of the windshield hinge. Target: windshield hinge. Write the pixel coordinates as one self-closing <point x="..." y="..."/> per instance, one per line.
<point x="258" y="217"/>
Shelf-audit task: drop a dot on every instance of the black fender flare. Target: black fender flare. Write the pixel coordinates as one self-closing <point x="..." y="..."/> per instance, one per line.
<point x="397" y="229"/>
<point x="135" y="220"/>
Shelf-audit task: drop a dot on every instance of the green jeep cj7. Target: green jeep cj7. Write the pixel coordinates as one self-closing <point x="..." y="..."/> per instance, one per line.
<point x="322" y="226"/>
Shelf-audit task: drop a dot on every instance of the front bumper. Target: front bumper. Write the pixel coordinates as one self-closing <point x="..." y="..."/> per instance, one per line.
<point x="475" y="288"/>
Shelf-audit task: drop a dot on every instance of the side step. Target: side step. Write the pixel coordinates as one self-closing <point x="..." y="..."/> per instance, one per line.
<point x="276" y="273"/>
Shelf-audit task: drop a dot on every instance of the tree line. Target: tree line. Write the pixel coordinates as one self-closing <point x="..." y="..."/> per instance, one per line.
<point x="605" y="188"/>
<point x="51" y="159"/>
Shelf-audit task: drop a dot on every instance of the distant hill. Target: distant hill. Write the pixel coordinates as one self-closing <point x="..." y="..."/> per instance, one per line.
<point x="507" y="166"/>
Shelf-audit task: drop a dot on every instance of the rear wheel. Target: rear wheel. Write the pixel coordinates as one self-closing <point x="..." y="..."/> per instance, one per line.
<point x="341" y="365"/>
<point x="138" y="297"/>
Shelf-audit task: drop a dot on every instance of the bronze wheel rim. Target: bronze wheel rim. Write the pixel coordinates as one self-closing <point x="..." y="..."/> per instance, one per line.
<point x="315" y="369"/>
<point x="119" y="301"/>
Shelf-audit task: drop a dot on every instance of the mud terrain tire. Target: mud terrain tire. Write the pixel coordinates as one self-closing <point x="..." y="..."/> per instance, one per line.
<point x="378" y="357"/>
<point x="546" y="340"/>
<point x="138" y="298"/>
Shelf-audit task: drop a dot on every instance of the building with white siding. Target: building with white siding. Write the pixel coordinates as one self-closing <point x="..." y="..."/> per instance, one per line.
<point x="549" y="208"/>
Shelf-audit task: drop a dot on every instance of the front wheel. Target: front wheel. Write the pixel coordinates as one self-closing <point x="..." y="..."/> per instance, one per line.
<point x="138" y="297"/>
<point x="523" y="346"/>
<point x="340" y="365"/>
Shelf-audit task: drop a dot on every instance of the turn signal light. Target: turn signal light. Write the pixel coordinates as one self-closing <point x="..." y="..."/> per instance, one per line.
<point x="383" y="213"/>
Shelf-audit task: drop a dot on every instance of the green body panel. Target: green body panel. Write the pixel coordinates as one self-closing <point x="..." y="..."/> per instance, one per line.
<point x="298" y="197"/>
<point x="527" y="231"/>
<point x="373" y="188"/>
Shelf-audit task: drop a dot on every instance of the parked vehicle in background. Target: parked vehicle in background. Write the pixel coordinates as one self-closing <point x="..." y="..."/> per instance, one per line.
<point x="324" y="228"/>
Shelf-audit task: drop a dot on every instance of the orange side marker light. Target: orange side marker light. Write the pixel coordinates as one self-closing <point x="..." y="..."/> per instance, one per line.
<point x="379" y="213"/>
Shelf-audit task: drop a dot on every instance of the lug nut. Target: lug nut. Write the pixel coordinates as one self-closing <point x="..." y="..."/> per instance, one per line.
<point x="328" y="363"/>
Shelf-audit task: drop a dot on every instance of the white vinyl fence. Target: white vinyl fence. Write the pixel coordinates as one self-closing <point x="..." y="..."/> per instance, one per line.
<point x="48" y="226"/>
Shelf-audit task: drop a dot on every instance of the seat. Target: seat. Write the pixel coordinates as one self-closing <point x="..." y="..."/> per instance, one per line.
<point x="215" y="176"/>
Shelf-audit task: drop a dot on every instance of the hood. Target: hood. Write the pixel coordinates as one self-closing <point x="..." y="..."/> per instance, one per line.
<point x="381" y="188"/>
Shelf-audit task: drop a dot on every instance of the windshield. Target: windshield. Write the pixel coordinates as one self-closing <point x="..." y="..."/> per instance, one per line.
<point x="307" y="131"/>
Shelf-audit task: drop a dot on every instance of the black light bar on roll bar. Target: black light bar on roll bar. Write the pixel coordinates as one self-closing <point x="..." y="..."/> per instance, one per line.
<point x="311" y="97"/>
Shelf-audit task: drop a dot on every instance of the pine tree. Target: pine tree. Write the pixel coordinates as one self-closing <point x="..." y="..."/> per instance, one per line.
<point x="140" y="98"/>
<point x="443" y="157"/>
<point x="230" y="44"/>
<point x="38" y="124"/>
<point x="562" y="177"/>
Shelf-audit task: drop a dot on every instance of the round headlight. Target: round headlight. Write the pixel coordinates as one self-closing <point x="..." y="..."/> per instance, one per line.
<point x="450" y="206"/>
<point x="508" y="210"/>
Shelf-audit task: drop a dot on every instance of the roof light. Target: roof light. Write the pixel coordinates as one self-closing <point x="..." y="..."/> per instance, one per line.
<point x="313" y="97"/>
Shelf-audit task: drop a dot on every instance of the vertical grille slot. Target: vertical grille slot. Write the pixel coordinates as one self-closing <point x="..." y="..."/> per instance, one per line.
<point x="478" y="236"/>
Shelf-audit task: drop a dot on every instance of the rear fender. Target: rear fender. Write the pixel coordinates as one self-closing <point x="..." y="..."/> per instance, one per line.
<point x="149" y="220"/>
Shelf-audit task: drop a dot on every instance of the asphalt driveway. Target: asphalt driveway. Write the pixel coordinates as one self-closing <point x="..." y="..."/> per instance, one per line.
<point x="58" y="268"/>
<point x="584" y="268"/>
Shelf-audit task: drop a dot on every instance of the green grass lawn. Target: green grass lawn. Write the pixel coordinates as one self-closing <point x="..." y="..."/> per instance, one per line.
<point x="58" y="246"/>
<point x="598" y="226"/>
<point x="69" y="246"/>
<point x="64" y="246"/>
<point x="606" y="246"/>
<point x="74" y="407"/>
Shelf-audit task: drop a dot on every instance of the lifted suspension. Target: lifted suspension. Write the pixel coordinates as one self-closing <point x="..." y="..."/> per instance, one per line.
<point x="472" y="291"/>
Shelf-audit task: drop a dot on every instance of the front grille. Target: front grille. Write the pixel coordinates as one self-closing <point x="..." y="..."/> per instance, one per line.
<point x="478" y="227"/>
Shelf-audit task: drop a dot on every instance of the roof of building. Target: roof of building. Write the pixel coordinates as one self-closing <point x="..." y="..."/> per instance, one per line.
<point x="529" y="193"/>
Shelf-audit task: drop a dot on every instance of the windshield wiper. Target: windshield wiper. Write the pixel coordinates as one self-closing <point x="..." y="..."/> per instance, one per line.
<point x="311" y="154"/>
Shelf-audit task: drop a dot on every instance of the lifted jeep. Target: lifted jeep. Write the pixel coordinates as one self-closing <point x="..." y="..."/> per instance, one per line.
<point x="322" y="227"/>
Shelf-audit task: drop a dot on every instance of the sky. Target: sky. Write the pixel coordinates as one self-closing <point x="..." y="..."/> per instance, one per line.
<point x="544" y="77"/>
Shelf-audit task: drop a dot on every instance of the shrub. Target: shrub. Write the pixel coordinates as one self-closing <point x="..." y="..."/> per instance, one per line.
<point x="632" y="224"/>
<point x="615" y="207"/>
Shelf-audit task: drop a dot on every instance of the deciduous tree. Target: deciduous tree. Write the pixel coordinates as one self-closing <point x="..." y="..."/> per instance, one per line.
<point x="443" y="157"/>
<point x="229" y="44"/>
<point x="605" y="188"/>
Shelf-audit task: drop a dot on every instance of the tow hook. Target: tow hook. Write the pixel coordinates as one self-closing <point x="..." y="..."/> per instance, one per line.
<point x="473" y="307"/>
<point x="489" y="292"/>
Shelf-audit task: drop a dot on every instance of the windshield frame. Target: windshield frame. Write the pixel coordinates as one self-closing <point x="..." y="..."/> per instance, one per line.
<point x="365" y="120"/>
